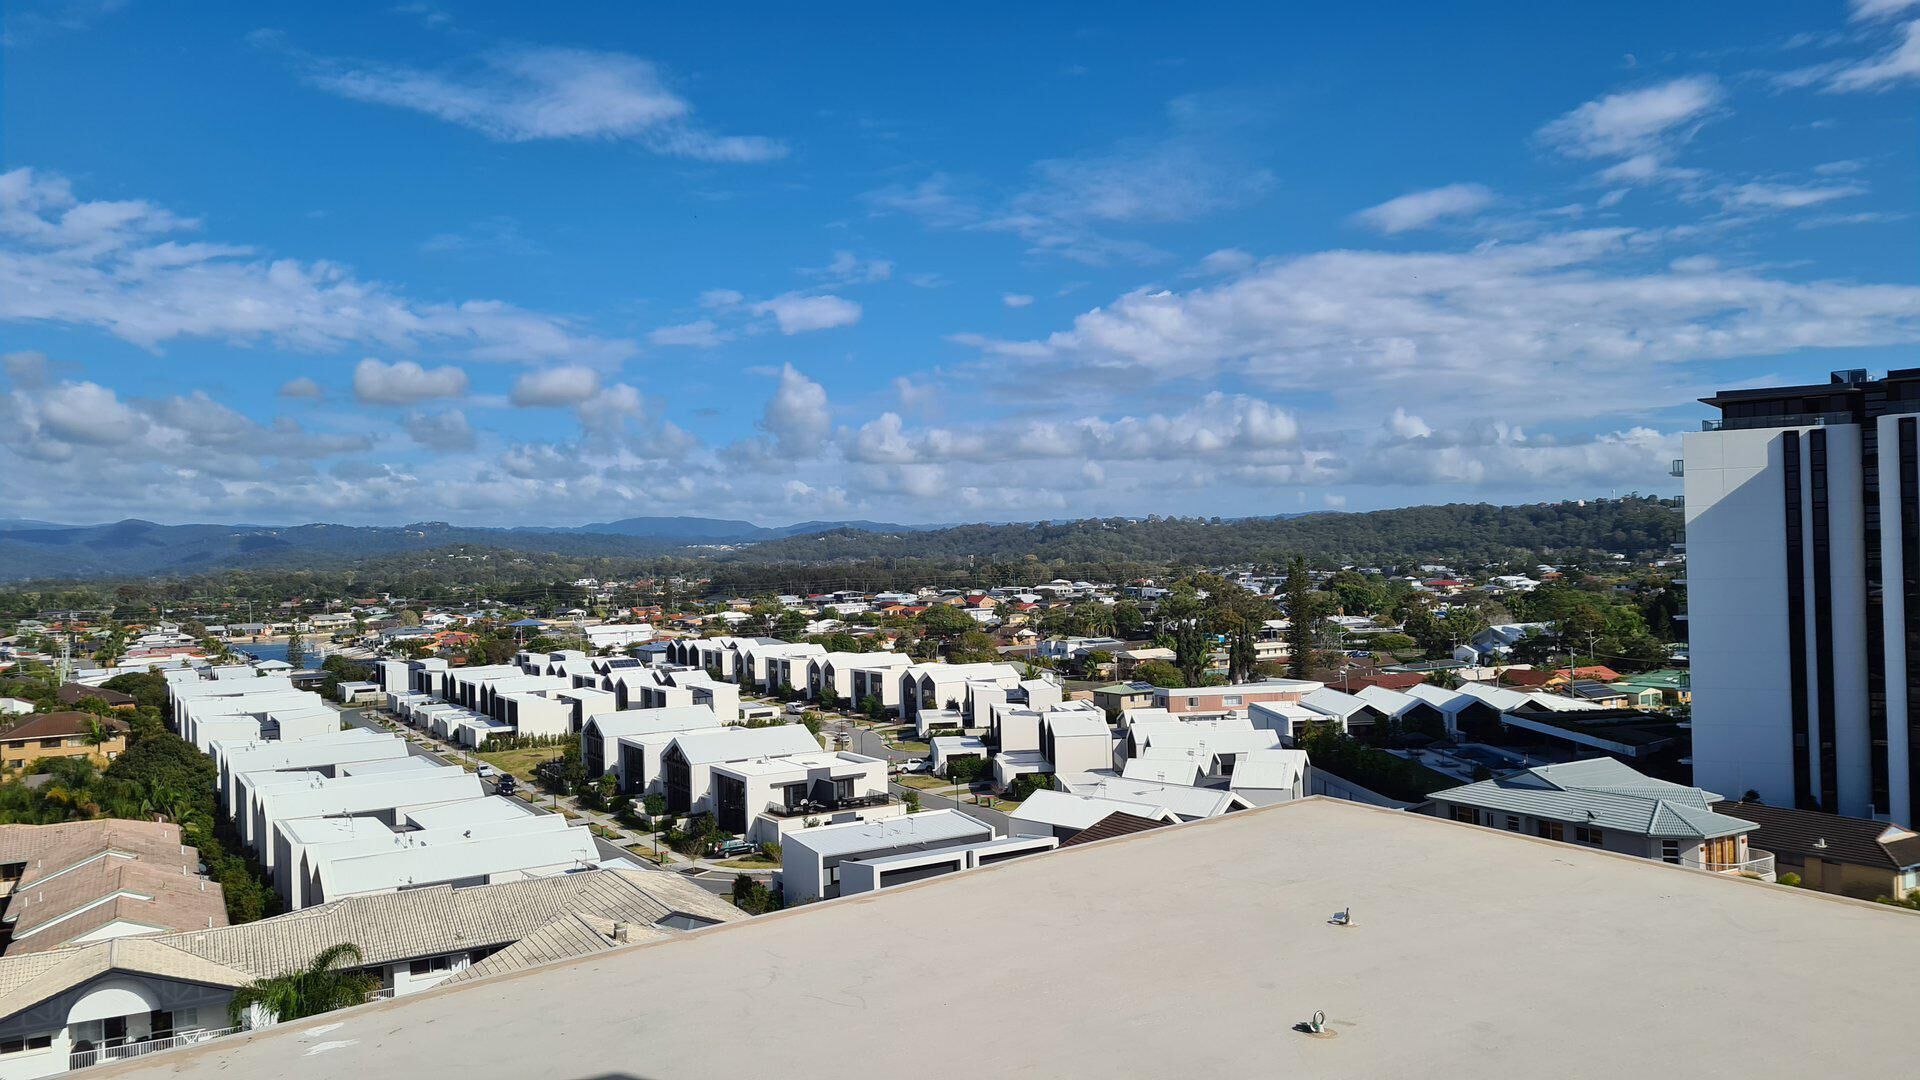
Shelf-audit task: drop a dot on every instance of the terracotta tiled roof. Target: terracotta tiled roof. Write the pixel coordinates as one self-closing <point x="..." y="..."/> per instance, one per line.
<point x="58" y="725"/>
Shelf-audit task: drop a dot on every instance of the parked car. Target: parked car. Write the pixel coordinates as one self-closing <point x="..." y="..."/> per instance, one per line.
<point x="736" y="847"/>
<point x="486" y="772"/>
<point x="914" y="765"/>
<point x="506" y="785"/>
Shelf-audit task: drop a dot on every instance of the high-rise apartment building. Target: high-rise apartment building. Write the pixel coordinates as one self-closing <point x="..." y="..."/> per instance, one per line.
<point x="1803" y="564"/>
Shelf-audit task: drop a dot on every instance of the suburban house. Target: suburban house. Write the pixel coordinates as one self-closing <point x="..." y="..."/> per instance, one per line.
<point x="812" y="861"/>
<point x="73" y="693"/>
<point x="104" y="1001"/>
<point x="1116" y="698"/>
<point x="85" y="881"/>
<point x="1605" y="804"/>
<point x="62" y="735"/>
<point x="1185" y="801"/>
<point x="1219" y="699"/>
<point x="1849" y="856"/>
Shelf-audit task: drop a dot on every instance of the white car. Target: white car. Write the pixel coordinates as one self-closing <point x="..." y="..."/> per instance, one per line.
<point x="914" y="765"/>
<point x="485" y="772"/>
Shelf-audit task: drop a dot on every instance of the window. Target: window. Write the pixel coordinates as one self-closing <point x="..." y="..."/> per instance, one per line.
<point x="1587" y="834"/>
<point x="833" y="875"/>
<point x="430" y="966"/>
<point x="1464" y="813"/>
<point x="1670" y="851"/>
<point x="50" y="743"/>
<point x="1513" y="823"/>
<point x="1551" y="830"/>
<point x="25" y="1043"/>
<point x="1230" y="700"/>
<point x="1193" y="703"/>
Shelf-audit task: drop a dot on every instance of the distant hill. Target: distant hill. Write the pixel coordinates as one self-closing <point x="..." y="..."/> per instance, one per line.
<point x="37" y="549"/>
<point x="1475" y="533"/>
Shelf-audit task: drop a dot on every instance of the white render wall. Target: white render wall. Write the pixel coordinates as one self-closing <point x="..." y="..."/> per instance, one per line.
<point x="1737" y="613"/>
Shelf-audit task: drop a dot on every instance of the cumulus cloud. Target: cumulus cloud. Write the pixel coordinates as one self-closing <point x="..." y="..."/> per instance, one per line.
<point x="1220" y="424"/>
<point x="798" y="313"/>
<point x="444" y="430"/>
<point x="555" y="387"/>
<point x="1422" y="208"/>
<point x="405" y="382"/>
<point x="796" y="416"/>
<point x="122" y="266"/>
<point x="526" y="94"/>
<point x="1016" y="300"/>
<point x="1473" y="330"/>
<point x="301" y="387"/>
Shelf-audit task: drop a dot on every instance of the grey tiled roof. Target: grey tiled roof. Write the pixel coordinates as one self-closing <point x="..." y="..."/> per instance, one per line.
<point x="387" y="927"/>
<point x="1604" y="793"/>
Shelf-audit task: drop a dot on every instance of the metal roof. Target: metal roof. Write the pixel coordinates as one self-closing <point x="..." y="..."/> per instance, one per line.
<point x="930" y="827"/>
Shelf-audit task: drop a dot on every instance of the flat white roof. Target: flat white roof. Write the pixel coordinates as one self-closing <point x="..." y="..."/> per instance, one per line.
<point x="1595" y="965"/>
<point x="854" y="836"/>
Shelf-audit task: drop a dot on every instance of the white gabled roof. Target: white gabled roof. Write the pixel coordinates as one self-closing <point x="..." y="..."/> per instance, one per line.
<point x="739" y="743"/>
<point x="1333" y="702"/>
<point x="1184" y="800"/>
<point x="1063" y="809"/>
<point x="1164" y="766"/>
<point x="1269" y="770"/>
<point x="652" y="721"/>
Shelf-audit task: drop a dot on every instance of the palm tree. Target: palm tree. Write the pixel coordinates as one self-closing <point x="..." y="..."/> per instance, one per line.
<point x="326" y="984"/>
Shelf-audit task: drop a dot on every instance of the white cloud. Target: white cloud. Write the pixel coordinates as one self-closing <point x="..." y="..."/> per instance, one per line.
<point x="405" y="382"/>
<point x="796" y="416"/>
<point x="1405" y="425"/>
<point x="301" y="387"/>
<point x="1016" y="300"/>
<point x="446" y="430"/>
<point x="1423" y="208"/>
<point x="555" y="386"/>
<point x="1868" y="10"/>
<point x="115" y="265"/>
<point x="720" y="298"/>
<point x="846" y="268"/>
<point x="1634" y="121"/>
<point x="1898" y="63"/>
<point x="1219" y="425"/>
<point x="1759" y="196"/>
<point x="543" y="461"/>
<point x="1226" y="261"/>
<point x="798" y="313"/>
<point x="699" y="334"/>
<point x="1198" y="165"/>
<point x="1501" y="326"/>
<point x="519" y="95"/>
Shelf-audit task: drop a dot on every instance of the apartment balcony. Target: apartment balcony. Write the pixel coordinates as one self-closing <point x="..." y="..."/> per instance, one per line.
<point x="1787" y="420"/>
<point x="81" y="1059"/>
<point x="811" y="808"/>
<point x="1758" y="864"/>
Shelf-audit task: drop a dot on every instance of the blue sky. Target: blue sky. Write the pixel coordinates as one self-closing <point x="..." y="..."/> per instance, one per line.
<point x="385" y="263"/>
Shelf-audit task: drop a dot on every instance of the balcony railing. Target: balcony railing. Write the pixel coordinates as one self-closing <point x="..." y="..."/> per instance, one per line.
<point x="803" y="809"/>
<point x="81" y="1059"/>
<point x="1757" y="864"/>
<point x="1785" y="420"/>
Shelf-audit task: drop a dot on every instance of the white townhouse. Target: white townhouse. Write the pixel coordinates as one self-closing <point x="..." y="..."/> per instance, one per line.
<point x="815" y="863"/>
<point x="1265" y="777"/>
<point x="764" y="798"/>
<point x="303" y="795"/>
<point x="1062" y="815"/>
<point x="235" y="759"/>
<point x="619" y="635"/>
<point x="1186" y="802"/>
<point x="686" y="765"/>
<point x="1214" y="748"/>
<point x="628" y="743"/>
<point x="834" y="678"/>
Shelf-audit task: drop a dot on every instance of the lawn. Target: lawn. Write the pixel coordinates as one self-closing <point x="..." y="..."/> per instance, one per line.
<point x="605" y="833"/>
<point x="752" y="862"/>
<point x="519" y="762"/>
<point x="922" y="783"/>
<point x="909" y="746"/>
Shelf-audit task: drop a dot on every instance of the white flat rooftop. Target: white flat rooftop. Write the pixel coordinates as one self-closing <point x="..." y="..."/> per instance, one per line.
<point x="1475" y="953"/>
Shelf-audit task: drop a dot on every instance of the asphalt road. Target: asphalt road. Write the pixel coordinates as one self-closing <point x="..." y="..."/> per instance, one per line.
<point x="929" y="801"/>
